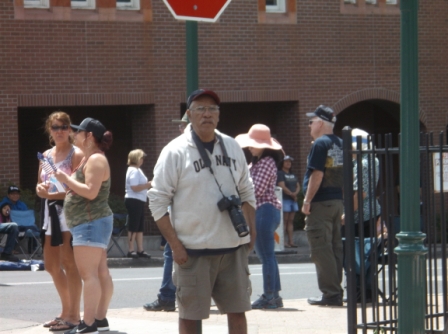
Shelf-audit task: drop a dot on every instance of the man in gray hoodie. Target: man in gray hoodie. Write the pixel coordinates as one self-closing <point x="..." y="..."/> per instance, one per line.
<point x="193" y="174"/>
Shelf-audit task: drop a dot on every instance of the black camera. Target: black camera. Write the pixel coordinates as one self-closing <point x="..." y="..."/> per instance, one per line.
<point x="233" y="205"/>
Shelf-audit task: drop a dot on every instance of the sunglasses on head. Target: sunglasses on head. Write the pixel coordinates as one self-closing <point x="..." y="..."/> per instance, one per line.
<point x="59" y="127"/>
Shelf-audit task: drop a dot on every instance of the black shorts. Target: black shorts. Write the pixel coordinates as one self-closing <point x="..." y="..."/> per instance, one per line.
<point x="136" y="214"/>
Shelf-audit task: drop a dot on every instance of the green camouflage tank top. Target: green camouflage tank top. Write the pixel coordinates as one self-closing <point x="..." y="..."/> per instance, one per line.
<point x="79" y="210"/>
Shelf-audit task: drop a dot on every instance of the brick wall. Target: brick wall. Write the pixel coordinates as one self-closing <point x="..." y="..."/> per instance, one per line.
<point x="332" y="55"/>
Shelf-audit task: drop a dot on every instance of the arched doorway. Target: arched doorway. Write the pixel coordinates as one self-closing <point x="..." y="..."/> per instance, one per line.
<point x="374" y="116"/>
<point x="377" y="117"/>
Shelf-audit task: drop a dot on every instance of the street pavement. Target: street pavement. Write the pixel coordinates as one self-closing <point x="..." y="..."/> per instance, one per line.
<point x="297" y="316"/>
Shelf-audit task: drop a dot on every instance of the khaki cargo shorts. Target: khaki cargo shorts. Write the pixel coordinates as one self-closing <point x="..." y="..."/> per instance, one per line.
<point x="225" y="278"/>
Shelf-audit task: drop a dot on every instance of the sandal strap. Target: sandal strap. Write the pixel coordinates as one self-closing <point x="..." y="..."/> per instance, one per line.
<point x="62" y="323"/>
<point x="53" y="322"/>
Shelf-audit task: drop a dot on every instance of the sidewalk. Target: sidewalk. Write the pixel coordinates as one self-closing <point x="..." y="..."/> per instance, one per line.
<point x="297" y="316"/>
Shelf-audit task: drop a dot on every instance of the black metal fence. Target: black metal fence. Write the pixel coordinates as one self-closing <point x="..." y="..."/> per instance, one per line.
<point x="370" y="261"/>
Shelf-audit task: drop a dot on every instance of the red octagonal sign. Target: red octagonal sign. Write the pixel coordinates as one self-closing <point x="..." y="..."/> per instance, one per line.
<point x="197" y="10"/>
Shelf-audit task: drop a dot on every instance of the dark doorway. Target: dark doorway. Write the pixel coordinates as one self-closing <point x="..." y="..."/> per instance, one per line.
<point x="280" y="117"/>
<point x="372" y="116"/>
<point x="377" y="117"/>
<point x="237" y="118"/>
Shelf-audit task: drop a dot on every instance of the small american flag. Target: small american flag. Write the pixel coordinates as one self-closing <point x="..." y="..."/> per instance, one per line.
<point x="47" y="166"/>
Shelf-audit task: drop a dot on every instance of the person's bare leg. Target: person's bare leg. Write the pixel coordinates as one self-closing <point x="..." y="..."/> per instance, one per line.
<point x="290" y="226"/>
<point x="107" y="287"/>
<point x="287" y="223"/>
<point x="74" y="282"/>
<point x="237" y="323"/>
<point x="131" y="239"/>
<point x="187" y="326"/>
<point x="285" y="230"/>
<point x="88" y="262"/>
<point x="139" y="239"/>
<point x="52" y="263"/>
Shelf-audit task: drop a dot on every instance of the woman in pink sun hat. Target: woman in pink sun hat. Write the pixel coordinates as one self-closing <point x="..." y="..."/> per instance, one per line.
<point x="266" y="154"/>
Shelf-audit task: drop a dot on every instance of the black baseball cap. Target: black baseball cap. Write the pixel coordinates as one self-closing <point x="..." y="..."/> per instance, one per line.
<point x="91" y="125"/>
<point x="13" y="189"/>
<point x="323" y="112"/>
<point x="201" y="92"/>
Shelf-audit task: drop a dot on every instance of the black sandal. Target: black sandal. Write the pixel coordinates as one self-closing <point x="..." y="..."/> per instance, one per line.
<point x="143" y="254"/>
<point x="133" y="254"/>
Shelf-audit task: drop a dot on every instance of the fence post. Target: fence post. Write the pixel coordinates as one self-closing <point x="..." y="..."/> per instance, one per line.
<point x="410" y="251"/>
<point x="349" y="230"/>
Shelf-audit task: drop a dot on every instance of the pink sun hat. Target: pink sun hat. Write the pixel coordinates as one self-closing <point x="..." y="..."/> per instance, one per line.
<point x="259" y="136"/>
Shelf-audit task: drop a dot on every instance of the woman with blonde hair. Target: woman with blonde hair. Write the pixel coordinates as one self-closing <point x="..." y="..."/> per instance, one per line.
<point x="58" y="252"/>
<point x="135" y="199"/>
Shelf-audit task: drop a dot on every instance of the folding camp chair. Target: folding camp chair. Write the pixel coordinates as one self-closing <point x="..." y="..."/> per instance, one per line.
<point x="366" y="264"/>
<point x="386" y="258"/>
<point x="367" y="252"/>
<point x="27" y="229"/>
<point x="117" y="232"/>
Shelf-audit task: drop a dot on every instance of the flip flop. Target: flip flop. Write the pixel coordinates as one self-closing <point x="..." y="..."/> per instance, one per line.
<point x="287" y="246"/>
<point x="62" y="326"/>
<point x="293" y="246"/>
<point x="53" y="322"/>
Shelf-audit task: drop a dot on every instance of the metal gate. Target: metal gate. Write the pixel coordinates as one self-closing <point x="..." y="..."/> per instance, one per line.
<point x="370" y="262"/>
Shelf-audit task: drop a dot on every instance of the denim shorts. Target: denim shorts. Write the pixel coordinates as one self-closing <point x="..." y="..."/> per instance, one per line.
<point x="290" y="206"/>
<point x="96" y="233"/>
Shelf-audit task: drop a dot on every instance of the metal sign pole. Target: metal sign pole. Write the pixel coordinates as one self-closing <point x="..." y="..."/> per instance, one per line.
<point x="192" y="56"/>
<point x="193" y="11"/>
<point x="192" y="79"/>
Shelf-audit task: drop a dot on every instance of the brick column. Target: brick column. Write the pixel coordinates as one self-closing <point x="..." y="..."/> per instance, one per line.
<point x="9" y="168"/>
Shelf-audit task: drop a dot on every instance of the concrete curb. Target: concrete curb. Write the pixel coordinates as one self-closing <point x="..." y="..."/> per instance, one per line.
<point x="157" y="261"/>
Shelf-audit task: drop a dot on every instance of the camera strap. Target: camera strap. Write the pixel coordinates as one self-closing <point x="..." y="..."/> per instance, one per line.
<point x="207" y="161"/>
<point x="227" y="157"/>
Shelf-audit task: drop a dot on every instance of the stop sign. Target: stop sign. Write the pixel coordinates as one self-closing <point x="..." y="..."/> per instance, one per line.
<point x="197" y="10"/>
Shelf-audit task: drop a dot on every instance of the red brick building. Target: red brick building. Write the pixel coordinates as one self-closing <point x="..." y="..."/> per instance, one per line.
<point x="123" y="62"/>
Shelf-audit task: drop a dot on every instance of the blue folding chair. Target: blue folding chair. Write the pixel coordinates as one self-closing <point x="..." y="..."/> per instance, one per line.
<point x="27" y="229"/>
<point x="117" y="233"/>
